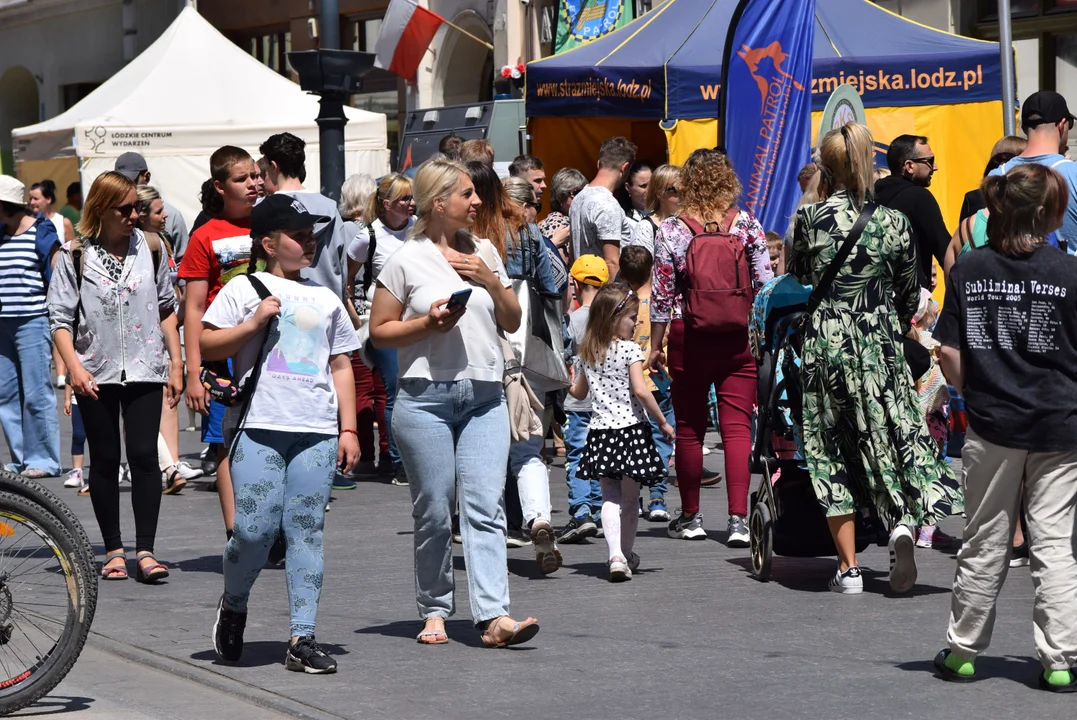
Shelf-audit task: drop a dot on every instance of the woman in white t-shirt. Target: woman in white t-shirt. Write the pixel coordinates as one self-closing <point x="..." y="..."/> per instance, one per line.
<point x="451" y="422"/>
<point x="290" y="340"/>
<point x="390" y="217"/>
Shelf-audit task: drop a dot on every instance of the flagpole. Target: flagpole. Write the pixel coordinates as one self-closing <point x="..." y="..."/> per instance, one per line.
<point x="1005" y="48"/>
<point x="465" y="32"/>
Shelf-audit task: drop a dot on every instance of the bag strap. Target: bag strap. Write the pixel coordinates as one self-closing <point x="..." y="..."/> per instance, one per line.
<point x="78" y="260"/>
<point x="823" y="286"/>
<point x="368" y="266"/>
<point x="256" y="371"/>
<point x="512" y="363"/>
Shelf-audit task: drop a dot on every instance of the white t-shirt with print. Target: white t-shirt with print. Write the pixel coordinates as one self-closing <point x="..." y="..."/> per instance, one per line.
<point x="387" y="241"/>
<point x="597" y="218"/>
<point x="417" y="275"/>
<point x="295" y="390"/>
<point x="613" y="404"/>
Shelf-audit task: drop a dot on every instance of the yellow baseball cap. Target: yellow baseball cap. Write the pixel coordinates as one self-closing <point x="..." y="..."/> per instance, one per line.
<point x="590" y="270"/>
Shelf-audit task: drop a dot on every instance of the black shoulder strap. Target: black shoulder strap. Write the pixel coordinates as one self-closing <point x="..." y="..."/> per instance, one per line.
<point x="78" y="259"/>
<point x="823" y="286"/>
<point x="252" y="382"/>
<point x="368" y="266"/>
<point x="259" y="287"/>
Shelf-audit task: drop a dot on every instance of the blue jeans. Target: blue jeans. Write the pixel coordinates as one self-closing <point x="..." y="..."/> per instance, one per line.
<point x="386" y="365"/>
<point x="584" y="496"/>
<point x="665" y="447"/>
<point x="281" y="480"/>
<point x="456" y="434"/>
<point x="27" y="400"/>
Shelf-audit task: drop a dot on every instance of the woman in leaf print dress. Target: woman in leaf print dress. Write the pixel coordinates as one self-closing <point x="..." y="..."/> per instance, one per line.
<point x="864" y="435"/>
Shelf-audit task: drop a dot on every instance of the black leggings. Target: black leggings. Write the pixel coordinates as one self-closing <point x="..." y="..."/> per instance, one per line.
<point x="140" y="405"/>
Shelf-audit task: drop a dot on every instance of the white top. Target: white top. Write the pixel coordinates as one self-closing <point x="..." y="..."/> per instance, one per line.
<point x="57" y="221"/>
<point x="642" y="236"/>
<point x="387" y="242"/>
<point x="613" y="403"/>
<point x="418" y="275"/>
<point x="295" y="390"/>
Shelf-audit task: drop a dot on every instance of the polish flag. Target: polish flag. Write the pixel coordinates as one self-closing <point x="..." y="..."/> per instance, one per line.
<point x="406" y="33"/>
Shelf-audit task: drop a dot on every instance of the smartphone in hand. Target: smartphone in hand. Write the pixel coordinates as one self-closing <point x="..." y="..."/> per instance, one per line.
<point x="458" y="299"/>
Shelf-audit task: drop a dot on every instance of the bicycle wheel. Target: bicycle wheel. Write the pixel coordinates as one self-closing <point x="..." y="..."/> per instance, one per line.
<point x="38" y="493"/>
<point x="47" y="599"/>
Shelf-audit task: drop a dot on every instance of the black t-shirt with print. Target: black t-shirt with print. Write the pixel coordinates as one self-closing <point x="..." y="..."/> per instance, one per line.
<point x="1016" y="321"/>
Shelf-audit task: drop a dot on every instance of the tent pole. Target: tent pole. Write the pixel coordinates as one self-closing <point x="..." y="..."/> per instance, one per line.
<point x="1005" y="46"/>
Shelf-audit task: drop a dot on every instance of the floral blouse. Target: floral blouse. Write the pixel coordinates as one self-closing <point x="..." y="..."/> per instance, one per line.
<point x="671" y="248"/>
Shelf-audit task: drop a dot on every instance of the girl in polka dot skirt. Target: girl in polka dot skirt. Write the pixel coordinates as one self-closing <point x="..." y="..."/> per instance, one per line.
<point x="620" y="450"/>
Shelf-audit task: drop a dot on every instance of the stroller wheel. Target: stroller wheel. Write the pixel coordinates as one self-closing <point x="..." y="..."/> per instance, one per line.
<point x="761" y="527"/>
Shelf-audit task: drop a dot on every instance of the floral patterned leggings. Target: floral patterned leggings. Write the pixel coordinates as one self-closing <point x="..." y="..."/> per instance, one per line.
<point x="282" y="481"/>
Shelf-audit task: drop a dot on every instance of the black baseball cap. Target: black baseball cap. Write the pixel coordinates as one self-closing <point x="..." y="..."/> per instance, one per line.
<point x="1045" y="107"/>
<point x="281" y="212"/>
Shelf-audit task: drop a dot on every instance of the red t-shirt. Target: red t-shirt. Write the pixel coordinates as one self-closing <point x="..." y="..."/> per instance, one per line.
<point x="218" y="251"/>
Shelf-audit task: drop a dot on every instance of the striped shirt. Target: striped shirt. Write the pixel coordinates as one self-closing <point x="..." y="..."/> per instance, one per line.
<point x="22" y="288"/>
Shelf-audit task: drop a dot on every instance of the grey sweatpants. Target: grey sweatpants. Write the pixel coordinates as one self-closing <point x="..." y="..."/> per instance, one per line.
<point x="992" y="502"/>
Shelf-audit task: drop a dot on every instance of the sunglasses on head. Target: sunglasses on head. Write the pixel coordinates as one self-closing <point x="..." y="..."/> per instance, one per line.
<point x="125" y="210"/>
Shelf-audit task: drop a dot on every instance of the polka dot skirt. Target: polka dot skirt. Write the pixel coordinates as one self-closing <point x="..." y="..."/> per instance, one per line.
<point x="628" y="451"/>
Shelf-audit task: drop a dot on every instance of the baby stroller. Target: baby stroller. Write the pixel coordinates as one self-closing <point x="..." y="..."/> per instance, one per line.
<point x="785" y="517"/>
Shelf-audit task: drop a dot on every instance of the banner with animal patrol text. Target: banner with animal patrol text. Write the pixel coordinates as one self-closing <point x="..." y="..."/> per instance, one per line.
<point x="580" y="21"/>
<point x="766" y="103"/>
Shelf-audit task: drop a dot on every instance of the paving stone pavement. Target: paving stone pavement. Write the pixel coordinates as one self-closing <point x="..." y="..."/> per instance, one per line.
<point x="691" y="636"/>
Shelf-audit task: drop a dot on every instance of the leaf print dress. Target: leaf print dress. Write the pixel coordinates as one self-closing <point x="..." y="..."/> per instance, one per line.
<point x="864" y="435"/>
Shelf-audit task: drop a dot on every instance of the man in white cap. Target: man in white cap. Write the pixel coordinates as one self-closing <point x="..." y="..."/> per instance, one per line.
<point x="133" y="166"/>
<point x="28" y="248"/>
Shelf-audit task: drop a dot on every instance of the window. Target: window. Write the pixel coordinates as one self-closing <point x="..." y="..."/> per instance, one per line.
<point x="383" y="91"/>
<point x="73" y="93"/>
<point x="269" y="49"/>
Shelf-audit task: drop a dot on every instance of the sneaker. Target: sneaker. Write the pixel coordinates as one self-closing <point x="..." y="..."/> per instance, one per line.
<point x="687" y="527"/>
<point x="342" y="483"/>
<point x="384" y="467"/>
<point x="902" y="560"/>
<point x="1059" y="681"/>
<point x="706" y="451"/>
<point x="547" y="555"/>
<point x="74" y="479"/>
<point x="366" y="467"/>
<point x="578" y="529"/>
<point x="657" y="511"/>
<point x="847" y="583"/>
<point x="304" y="655"/>
<point x="600" y="533"/>
<point x="125" y="473"/>
<point x="186" y="471"/>
<point x="208" y="458"/>
<point x="61" y="381"/>
<point x="278" y="551"/>
<point x="228" y="632"/>
<point x="739" y="537"/>
<point x="619" y="570"/>
<point x="1019" y="556"/>
<point x="400" y="476"/>
<point x="516" y="538"/>
<point x="641" y="513"/>
<point x="456" y="536"/>
<point x="930" y="536"/>
<point x="633" y="563"/>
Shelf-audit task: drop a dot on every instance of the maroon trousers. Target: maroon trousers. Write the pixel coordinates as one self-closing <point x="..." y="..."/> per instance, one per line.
<point x="369" y="406"/>
<point x="696" y="361"/>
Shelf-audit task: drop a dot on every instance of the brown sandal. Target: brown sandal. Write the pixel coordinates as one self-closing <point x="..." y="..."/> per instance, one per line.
<point x="522" y="631"/>
<point x="116" y="572"/>
<point x="156" y="572"/>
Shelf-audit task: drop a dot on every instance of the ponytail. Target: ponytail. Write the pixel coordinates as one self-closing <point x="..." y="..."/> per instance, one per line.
<point x="212" y="202"/>
<point x="1024" y="206"/>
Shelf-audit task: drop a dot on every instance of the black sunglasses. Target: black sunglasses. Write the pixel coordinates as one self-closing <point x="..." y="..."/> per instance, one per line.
<point x="929" y="161"/>
<point x="125" y="210"/>
<point x="537" y="206"/>
<point x="672" y="190"/>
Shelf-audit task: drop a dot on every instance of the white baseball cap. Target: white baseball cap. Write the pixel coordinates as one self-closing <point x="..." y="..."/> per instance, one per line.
<point x="12" y="191"/>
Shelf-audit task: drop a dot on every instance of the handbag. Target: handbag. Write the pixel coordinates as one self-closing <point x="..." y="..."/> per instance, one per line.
<point x="523" y="404"/>
<point x="216" y="375"/>
<point x="538" y="343"/>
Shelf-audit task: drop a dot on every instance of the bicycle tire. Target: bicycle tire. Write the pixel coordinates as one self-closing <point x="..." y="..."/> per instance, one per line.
<point x="81" y="593"/>
<point x="36" y="492"/>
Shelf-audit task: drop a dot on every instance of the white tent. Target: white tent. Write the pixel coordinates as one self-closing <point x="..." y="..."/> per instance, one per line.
<point x="190" y="92"/>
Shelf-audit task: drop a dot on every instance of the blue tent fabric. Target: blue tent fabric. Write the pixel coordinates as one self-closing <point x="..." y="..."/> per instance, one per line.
<point x="667" y="64"/>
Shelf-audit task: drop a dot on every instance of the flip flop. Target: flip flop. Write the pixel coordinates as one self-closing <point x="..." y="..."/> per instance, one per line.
<point x="522" y="631"/>
<point x="116" y="572"/>
<point x="175" y="483"/>
<point x="432" y="633"/>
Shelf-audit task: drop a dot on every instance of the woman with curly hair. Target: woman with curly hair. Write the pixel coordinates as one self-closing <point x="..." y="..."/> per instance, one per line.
<point x="709" y="193"/>
<point x="865" y="440"/>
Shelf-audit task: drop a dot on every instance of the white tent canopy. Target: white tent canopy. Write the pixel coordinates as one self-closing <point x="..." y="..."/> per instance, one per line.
<point x="187" y="94"/>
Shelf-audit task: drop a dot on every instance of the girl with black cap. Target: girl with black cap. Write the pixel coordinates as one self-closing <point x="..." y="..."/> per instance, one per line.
<point x="290" y="341"/>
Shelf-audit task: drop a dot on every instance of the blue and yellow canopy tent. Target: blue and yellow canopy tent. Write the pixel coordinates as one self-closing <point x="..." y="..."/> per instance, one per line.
<point x="666" y="66"/>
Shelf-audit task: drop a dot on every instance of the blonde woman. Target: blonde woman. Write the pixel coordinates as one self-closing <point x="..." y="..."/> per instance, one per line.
<point x="112" y="316"/>
<point x="441" y="301"/>
<point x="864" y="434"/>
<point x="390" y="217"/>
<point x="663" y="201"/>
